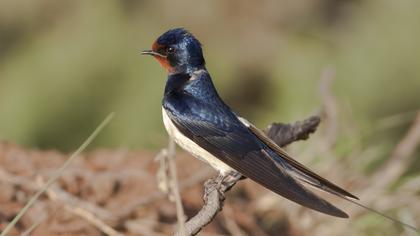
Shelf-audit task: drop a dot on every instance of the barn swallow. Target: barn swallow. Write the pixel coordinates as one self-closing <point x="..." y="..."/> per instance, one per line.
<point x="199" y="121"/>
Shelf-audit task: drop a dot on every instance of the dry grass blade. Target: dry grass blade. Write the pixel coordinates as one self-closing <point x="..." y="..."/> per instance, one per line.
<point x="57" y="174"/>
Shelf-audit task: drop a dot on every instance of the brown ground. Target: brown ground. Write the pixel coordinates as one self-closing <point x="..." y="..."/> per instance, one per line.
<point x="118" y="188"/>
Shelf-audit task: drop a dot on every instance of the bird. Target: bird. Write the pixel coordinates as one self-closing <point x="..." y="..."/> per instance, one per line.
<point x="201" y="123"/>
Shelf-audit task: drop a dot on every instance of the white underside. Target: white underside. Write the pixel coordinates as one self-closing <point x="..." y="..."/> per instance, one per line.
<point x="192" y="147"/>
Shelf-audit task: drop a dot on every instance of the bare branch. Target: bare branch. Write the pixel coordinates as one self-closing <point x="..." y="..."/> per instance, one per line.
<point x="284" y="134"/>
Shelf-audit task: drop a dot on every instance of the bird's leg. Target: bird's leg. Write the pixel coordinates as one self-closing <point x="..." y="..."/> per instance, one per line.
<point x="230" y="180"/>
<point x="219" y="186"/>
<point x="219" y="180"/>
<point x="222" y="183"/>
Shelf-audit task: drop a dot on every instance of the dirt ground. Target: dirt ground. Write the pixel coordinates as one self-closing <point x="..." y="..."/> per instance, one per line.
<point x="116" y="192"/>
<point x="118" y="188"/>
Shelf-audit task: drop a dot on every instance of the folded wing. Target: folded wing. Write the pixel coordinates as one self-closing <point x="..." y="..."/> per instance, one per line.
<point x="232" y="142"/>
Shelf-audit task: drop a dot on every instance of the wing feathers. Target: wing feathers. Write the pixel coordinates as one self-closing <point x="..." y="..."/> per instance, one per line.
<point x="254" y="162"/>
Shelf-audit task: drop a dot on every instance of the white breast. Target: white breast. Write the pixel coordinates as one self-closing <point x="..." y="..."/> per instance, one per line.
<point x="191" y="147"/>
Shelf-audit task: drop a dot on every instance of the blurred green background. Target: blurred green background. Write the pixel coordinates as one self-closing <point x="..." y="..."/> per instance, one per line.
<point x="64" y="65"/>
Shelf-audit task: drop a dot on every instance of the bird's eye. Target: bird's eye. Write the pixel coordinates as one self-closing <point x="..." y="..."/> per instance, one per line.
<point x="170" y="50"/>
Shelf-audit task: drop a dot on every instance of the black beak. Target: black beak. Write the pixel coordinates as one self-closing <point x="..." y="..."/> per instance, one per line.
<point x="152" y="53"/>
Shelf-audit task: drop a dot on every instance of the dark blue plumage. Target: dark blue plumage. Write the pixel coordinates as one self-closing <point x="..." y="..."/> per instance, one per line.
<point x="197" y="112"/>
<point x="197" y="106"/>
<point x="187" y="54"/>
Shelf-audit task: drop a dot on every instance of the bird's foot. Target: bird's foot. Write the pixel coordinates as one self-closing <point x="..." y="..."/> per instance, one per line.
<point x="230" y="180"/>
<point x="221" y="184"/>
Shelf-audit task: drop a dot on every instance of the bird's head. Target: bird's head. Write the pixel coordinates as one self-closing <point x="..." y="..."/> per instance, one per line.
<point x="178" y="51"/>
